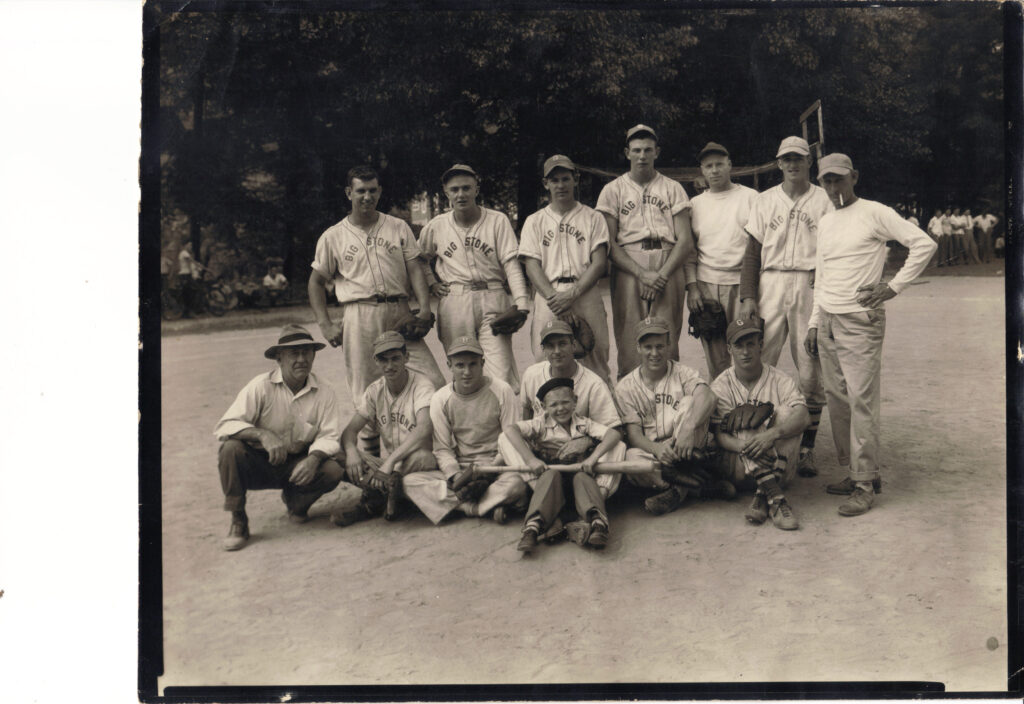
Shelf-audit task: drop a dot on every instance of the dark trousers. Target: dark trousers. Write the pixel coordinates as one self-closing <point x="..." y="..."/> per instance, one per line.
<point x="549" y="497"/>
<point x="243" y="467"/>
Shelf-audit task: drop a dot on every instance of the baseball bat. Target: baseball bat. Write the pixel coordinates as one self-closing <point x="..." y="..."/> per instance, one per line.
<point x="627" y="467"/>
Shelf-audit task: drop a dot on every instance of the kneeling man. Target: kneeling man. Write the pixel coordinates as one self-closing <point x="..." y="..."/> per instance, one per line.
<point x="767" y="453"/>
<point x="280" y="433"/>
<point x="540" y="441"/>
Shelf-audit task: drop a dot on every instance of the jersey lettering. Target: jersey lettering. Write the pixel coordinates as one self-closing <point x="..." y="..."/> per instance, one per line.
<point x="477" y="243"/>
<point x="450" y="250"/>
<point x="383" y="243"/>
<point x="667" y="400"/>
<point x="397" y="417"/>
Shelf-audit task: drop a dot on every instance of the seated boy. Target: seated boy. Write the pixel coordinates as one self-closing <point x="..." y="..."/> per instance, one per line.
<point x="538" y="442"/>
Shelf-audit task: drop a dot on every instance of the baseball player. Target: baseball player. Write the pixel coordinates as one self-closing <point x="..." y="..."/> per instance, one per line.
<point x="564" y="248"/>
<point x="397" y="407"/>
<point x="777" y="278"/>
<point x="541" y="441"/>
<point x="665" y="408"/>
<point x="648" y="217"/>
<point x="467" y="416"/>
<point x="372" y="258"/>
<point x="593" y="396"/>
<point x="847" y="324"/>
<point x="767" y="453"/>
<point x="717" y="217"/>
<point x="473" y="250"/>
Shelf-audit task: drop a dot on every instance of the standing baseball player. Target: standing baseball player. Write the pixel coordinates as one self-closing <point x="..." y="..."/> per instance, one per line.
<point x="593" y="395"/>
<point x="665" y="408"/>
<point x="564" y="248"/>
<point x="777" y="279"/>
<point x="397" y="407"/>
<point x="473" y="251"/>
<point x="468" y="416"/>
<point x="847" y="325"/>
<point x="764" y="451"/>
<point x="373" y="260"/>
<point x="717" y="217"/>
<point x="648" y="217"/>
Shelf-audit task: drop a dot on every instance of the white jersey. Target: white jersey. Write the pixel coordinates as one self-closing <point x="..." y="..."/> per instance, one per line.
<point x="366" y="263"/>
<point x="394" y="416"/>
<point x="656" y="410"/>
<point x="644" y="212"/>
<point x="772" y="387"/>
<point x="468" y="254"/>
<point x="563" y="243"/>
<point x="593" y="397"/>
<point x="788" y="229"/>
<point x="719" y="239"/>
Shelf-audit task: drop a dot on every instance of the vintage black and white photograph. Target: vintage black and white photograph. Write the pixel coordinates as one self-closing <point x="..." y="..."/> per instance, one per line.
<point x="593" y="346"/>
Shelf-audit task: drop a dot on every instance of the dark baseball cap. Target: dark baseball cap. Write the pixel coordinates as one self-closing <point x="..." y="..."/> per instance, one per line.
<point x="641" y="131"/>
<point x="740" y="328"/>
<point x="711" y="148"/>
<point x="466" y="343"/>
<point x="650" y="326"/>
<point x="459" y="169"/>
<point x="558" y="161"/>
<point x="389" y="340"/>
<point x="554" y="327"/>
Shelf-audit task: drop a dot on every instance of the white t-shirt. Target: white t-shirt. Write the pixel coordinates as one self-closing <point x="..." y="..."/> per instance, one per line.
<point x="719" y="239"/>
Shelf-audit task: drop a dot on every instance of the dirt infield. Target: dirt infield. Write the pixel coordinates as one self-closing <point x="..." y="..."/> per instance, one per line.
<point x="914" y="590"/>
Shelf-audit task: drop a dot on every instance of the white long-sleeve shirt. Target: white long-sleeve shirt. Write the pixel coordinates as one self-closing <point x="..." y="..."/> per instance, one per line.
<point x="851" y="254"/>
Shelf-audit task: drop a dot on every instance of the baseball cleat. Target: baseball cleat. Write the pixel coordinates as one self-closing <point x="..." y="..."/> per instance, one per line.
<point x="238" y="536"/>
<point x="860" y="501"/>
<point x="782" y="515"/>
<point x="528" y="542"/>
<point x="758" y="511"/>
<point x="666" y="501"/>
<point x="806" y="467"/>
<point x="347" y="516"/>
<point x="846" y="487"/>
<point x="598" y="535"/>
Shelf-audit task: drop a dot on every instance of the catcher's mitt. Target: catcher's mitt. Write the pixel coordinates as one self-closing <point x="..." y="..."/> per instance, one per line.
<point x="414" y="328"/>
<point x="576" y="450"/>
<point x="583" y="336"/>
<point x="508" y="322"/>
<point x="709" y="322"/>
<point x="747" y="417"/>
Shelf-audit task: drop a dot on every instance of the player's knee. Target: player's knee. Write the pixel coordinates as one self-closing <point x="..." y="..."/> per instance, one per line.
<point x="232" y="449"/>
<point x="332" y="470"/>
<point x="421" y="460"/>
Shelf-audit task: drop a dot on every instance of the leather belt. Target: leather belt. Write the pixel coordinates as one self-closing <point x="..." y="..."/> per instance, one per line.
<point x="566" y="280"/>
<point x="380" y="299"/>
<point x="650" y="243"/>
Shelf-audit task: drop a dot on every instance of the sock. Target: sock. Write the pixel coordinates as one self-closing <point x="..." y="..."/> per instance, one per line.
<point x="811" y="431"/>
<point x="533" y="523"/>
<point x="768" y="484"/>
<point x="866" y="486"/>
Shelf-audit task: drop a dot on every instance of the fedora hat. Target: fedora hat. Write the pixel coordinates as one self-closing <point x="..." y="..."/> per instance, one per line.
<point x="293" y="336"/>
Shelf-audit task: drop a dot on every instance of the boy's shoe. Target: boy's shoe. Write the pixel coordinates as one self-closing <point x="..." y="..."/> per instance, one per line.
<point x="500" y="515"/>
<point x="598" y="535"/>
<point x="758" y="511"/>
<point x="528" y="542"/>
<point x="860" y="501"/>
<point x="783" y="516"/>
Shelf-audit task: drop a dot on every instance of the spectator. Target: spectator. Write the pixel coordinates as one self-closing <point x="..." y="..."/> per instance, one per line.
<point x="984" y="224"/>
<point x="946" y="242"/>
<point x="935" y="232"/>
<point x="971" y="245"/>
<point x="274" y="283"/>
<point x="189" y="274"/>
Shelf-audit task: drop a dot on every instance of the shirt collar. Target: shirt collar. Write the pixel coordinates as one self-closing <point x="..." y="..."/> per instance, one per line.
<point x="311" y="381"/>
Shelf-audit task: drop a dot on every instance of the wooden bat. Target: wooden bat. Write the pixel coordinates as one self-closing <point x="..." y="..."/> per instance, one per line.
<point x="627" y="467"/>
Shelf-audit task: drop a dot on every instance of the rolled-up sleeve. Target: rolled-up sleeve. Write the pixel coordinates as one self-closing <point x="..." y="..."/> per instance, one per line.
<point x="243" y="412"/>
<point x="328" y="436"/>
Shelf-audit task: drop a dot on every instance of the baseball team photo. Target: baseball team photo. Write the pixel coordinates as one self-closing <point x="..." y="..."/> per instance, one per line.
<point x="635" y="352"/>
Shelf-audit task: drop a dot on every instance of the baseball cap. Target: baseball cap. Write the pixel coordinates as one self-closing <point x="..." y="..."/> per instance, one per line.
<point x="650" y="326"/>
<point x="641" y="130"/>
<point x="711" y="148"/>
<point x="834" y="164"/>
<point x="390" y="340"/>
<point x="558" y="161"/>
<point x="466" y="343"/>
<point x="552" y="384"/>
<point x="794" y="145"/>
<point x="459" y="169"/>
<point x="554" y="327"/>
<point x="740" y="328"/>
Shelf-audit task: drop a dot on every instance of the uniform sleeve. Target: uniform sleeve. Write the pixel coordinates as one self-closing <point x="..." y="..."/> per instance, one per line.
<point x="507" y="402"/>
<point x="630" y="413"/>
<point x="367" y="406"/>
<point x="428" y="245"/>
<point x="244" y="412"/>
<point x="680" y="201"/>
<point x="529" y="244"/>
<point x="598" y="231"/>
<point x="921" y="246"/>
<point x="755" y="221"/>
<point x="505" y="238"/>
<point x="328" y="436"/>
<point x="602" y="407"/>
<point x="444" y="439"/>
<point x="324" y="261"/>
<point x="516" y="282"/>
<point x="723" y="399"/>
<point x="786" y="391"/>
<point x="594" y="429"/>
<point x="531" y="430"/>
<point x="689" y="379"/>
<point x="410" y="247"/>
<point x="609" y="202"/>
<point x="421" y="396"/>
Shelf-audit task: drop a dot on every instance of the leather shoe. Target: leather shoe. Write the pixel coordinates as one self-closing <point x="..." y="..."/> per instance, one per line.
<point x="499" y="515"/>
<point x="598" y="538"/>
<point x="783" y="516"/>
<point x="860" y="501"/>
<point x="806" y="467"/>
<point x="297" y="518"/>
<point x="528" y="542"/>
<point x="758" y="511"/>
<point x="846" y="487"/>
<point x="238" y="536"/>
<point x="347" y="516"/>
<point x="666" y="501"/>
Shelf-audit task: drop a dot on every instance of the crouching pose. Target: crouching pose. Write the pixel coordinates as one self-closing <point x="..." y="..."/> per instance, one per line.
<point x="467" y="416"/>
<point x="397" y="407"/>
<point x="758" y="423"/>
<point x="547" y="439"/>
<point x="665" y="408"/>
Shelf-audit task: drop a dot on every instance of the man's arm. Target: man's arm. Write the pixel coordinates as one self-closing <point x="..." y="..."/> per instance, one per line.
<point x="750" y="278"/>
<point x="354" y="467"/>
<point x="415" y="440"/>
<point x="788" y="424"/>
<point x="418" y="282"/>
<point x="682" y="248"/>
<point x="616" y="252"/>
<point x="316" y="288"/>
<point x="267" y="439"/>
<point x="610" y="439"/>
<point x="635" y="437"/>
<point x="444" y="440"/>
<point x="518" y="442"/>
<point x="703" y="404"/>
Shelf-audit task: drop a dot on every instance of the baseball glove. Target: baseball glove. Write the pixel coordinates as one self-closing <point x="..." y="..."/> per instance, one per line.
<point x="747" y="416"/>
<point x="576" y="450"/>
<point x="414" y="328"/>
<point x="508" y="322"/>
<point x="709" y="322"/>
<point x="583" y="336"/>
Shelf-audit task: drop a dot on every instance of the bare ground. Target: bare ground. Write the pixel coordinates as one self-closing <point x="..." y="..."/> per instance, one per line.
<point x="913" y="590"/>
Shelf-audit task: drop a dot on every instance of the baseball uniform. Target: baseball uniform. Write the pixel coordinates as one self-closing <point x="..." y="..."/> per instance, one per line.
<point x="787" y="231"/>
<point x="773" y="387"/>
<point x="545" y="437"/>
<point x="466" y="429"/>
<point x="719" y="240"/>
<point x="659" y="411"/>
<point x="647" y="234"/>
<point x="564" y="244"/>
<point x="851" y="254"/>
<point x="393" y="417"/>
<point x="371" y="281"/>
<point x="479" y="264"/>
